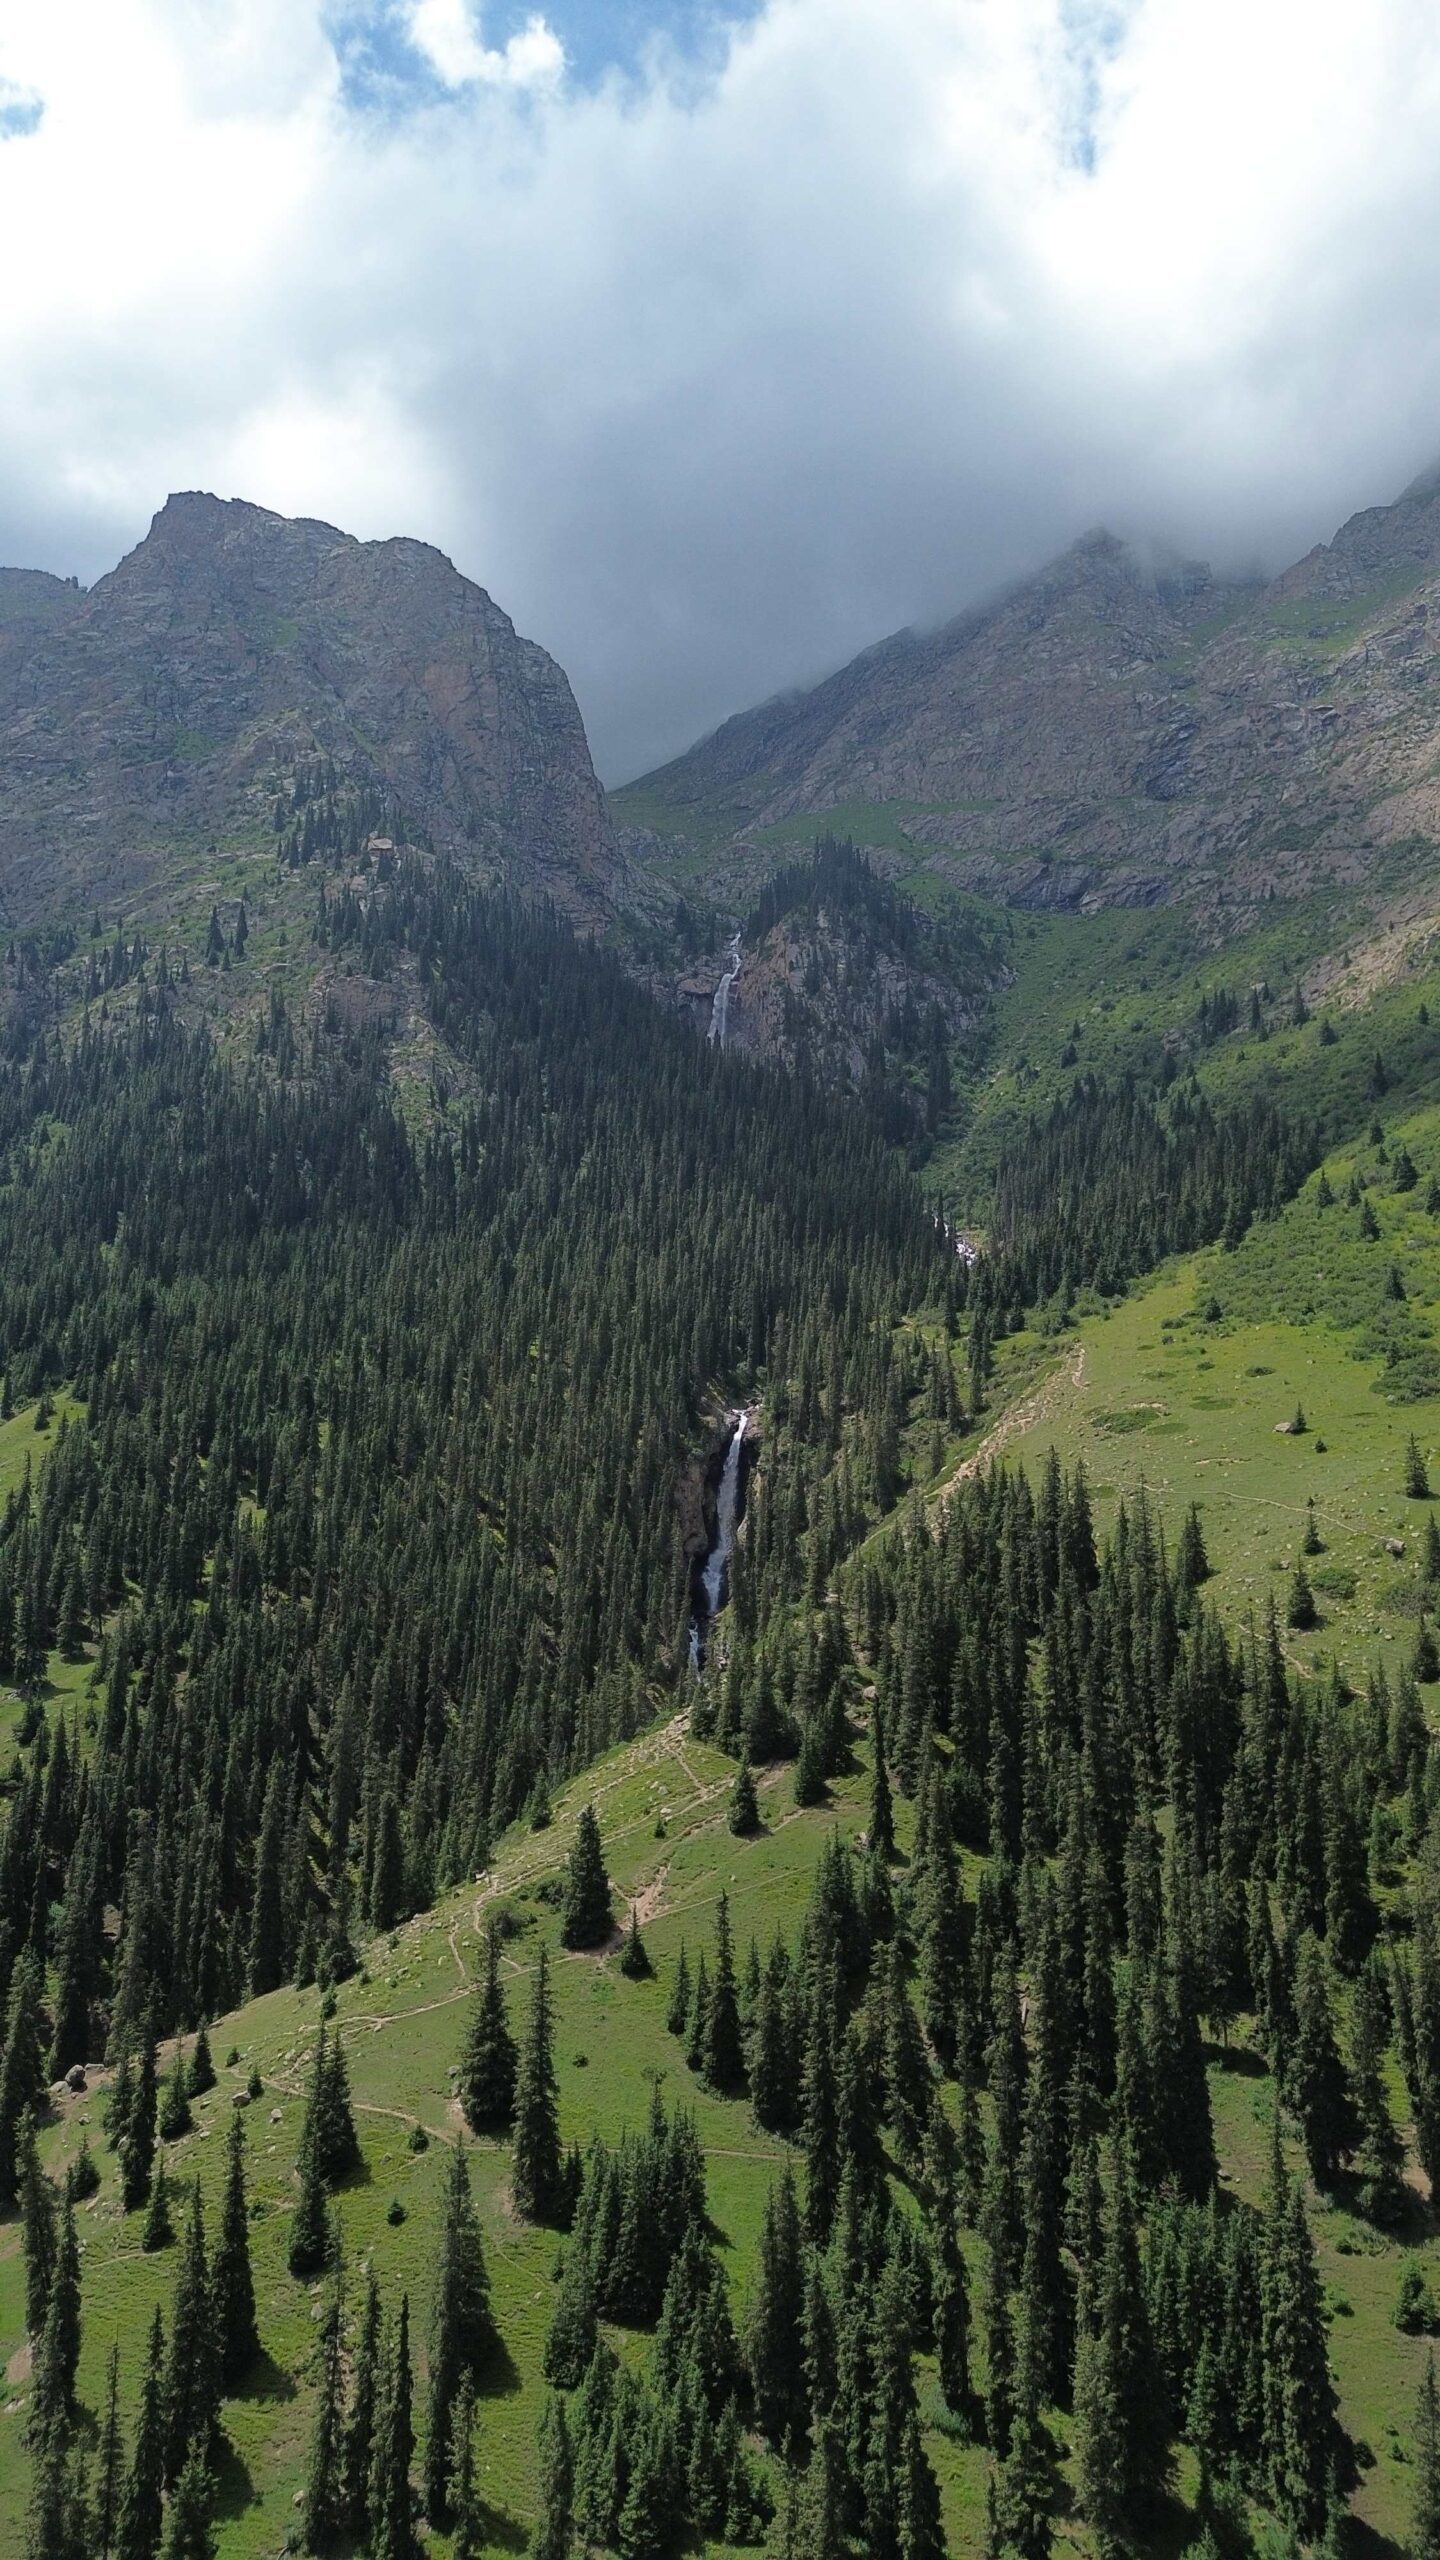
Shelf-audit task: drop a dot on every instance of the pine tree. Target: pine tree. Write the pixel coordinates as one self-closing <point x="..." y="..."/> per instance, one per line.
<point x="57" y="2355"/>
<point x="110" y="2475"/>
<point x="551" y="2538"/>
<point x="1299" y="2414"/>
<point x="774" y="2336"/>
<point x="535" y="2176"/>
<point x="467" y="2538"/>
<point x="159" y="2229"/>
<point x="392" y="2534"/>
<point x="37" y="2228"/>
<point x="573" y="2327"/>
<point x="137" y="2143"/>
<point x="336" y="2142"/>
<point x="232" y="2284"/>
<point x="488" y="2056"/>
<point x="192" y="2372"/>
<point x="461" y="2329"/>
<point x="881" y="1832"/>
<point x="634" y="1962"/>
<point x="723" y="2060"/>
<point x="742" y="1814"/>
<point x="324" y="2494"/>
<point x="22" y="2075"/>
<point x="188" y="2534"/>
<point x="137" y="2531"/>
<point x="1119" y="2416"/>
<point x="1425" y="2531"/>
<point x="585" y="1911"/>
<point x="1315" y="2075"/>
<point x="1417" y="1473"/>
<point x="360" y="2423"/>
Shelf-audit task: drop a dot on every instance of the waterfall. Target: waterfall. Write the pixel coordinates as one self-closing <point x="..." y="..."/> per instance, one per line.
<point x="713" y="1580"/>
<point x="720" y="1010"/>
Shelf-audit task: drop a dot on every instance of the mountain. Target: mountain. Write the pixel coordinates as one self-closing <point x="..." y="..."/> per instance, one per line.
<point x="232" y="649"/>
<point x="1115" y="731"/>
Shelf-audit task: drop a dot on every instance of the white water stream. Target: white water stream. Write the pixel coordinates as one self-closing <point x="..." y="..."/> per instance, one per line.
<point x="720" y="1009"/>
<point x="715" y="1578"/>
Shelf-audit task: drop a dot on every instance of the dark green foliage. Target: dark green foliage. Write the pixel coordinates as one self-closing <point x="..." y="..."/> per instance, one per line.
<point x="488" y="2057"/>
<point x="461" y="2330"/>
<point x="324" y="2507"/>
<point x="551" y="2538"/>
<point x="1425" y="2529"/>
<point x="535" y="2174"/>
<point x="232" y="2284"/>
<point x="192" y="2372"/>
<point x="1417" y="1474"/>
<point x="188" y="2533"/>
<point x="392" y="2530"/>
<point x="585" y="1915"/>
<point x="634" y="1962"/>
<point x="743" y="1811"/>
<point x="159" y="2227"/>
<point x="137" y="2532"/>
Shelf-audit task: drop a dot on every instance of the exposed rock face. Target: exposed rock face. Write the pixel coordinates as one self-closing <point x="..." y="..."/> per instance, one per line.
<point x="162" y="707"/>
<point x="1108" y="733"/>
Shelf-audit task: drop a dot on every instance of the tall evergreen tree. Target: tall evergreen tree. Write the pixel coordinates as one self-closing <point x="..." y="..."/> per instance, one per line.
<point x="392" y="2531"/>
<point x="137" y="2530"/>
<point x="461" y="2329"/>
<point x="232" y="2284"/>
<point x="585" y="1911"/>
<point x="488" y="2057"/>
<point x="535" y="2175"/>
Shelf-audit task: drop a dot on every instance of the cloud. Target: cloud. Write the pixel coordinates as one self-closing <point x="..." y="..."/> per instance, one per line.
<point x="446" y="33"/>
<point x="714" y="369"/>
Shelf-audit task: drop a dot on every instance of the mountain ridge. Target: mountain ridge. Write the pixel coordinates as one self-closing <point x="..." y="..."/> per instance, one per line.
<point x="174" y="699"/>
<point x="1115" y="730"/>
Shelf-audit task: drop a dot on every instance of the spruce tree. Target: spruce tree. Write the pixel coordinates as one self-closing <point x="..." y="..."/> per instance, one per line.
<point x="1425" y="2528"/>
<point x="359" y="2445"/>
<point x="392" y="2533"/>
<point x="1315" y="2075"/>
<point x="723" y="2060"/>
<point x="574" y="2329"/>
<point x="159" y="2229"/>
<point x="110" y="2472"/>
<point x="37" y="2228"/>
<point x="137" y="2530"/>
<point x="552" y="2534"/>
<point x="188" y="2532"/>
<point x="324" y="2486"/>
<point x="22" y="2073"/>
<point x="535" y="2176"/>
<point x="461" y="2329"/>
<point x="634" y="1962"/>
<point x="192" y="2372"/>
<point x="585" y="1911"/>
<point x="1299" y="2398"/>
<point x="742" y="1814"/>
<point x="137" y="2142"/>
<point x="467" y="2533"/>
<point x="232" y="2284"/>
<point x="488" y="2057"/>
<point x="774" y="2335"/>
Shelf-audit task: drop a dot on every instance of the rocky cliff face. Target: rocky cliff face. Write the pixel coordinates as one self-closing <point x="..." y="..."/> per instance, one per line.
<point x="1111" y="732"/>
<point x="169" y="704"/>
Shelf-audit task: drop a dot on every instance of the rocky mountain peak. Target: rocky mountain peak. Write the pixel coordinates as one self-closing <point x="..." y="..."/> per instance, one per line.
<point x="232" y="644"/>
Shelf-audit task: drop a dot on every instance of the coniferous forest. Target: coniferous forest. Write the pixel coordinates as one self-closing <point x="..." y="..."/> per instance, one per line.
<point x="346" y="1585"/>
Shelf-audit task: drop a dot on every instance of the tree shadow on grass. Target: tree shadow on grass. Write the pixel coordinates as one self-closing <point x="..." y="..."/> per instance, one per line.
<point x="265" y="2383"/>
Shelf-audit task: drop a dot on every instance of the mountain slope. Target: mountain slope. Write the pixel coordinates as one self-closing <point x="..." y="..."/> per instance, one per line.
<point x="1110" y="732"/>
<point x="172" y="704"/>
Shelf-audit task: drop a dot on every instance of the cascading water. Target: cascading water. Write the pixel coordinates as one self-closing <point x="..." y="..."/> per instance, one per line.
<point x="720" y="1009"/>
<point x="712" y="1582"/>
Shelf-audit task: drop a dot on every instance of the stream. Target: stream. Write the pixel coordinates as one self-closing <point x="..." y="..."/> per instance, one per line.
<point x="710" y="1581"/>
<point x="720" y="1009"/>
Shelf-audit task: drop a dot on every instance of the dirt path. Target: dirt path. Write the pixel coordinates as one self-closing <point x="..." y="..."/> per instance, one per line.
<point x="1027" y="1415"/>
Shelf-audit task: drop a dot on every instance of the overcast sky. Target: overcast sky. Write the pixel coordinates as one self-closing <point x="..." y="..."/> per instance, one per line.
<point x="717" y="341"/>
